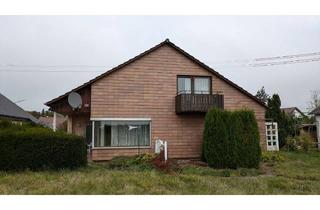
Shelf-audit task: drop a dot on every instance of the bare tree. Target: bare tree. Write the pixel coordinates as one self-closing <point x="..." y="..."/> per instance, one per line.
<point x="314" y="100"/>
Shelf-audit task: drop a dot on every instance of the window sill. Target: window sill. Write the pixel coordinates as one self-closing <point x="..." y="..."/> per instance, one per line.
<point x="115" y="148"/>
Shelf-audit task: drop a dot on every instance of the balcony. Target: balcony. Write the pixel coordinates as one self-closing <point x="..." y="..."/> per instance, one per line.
<point x="201" y="103"/>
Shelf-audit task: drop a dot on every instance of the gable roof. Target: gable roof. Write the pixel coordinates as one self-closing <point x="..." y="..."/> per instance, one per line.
<point x="12" y="110"/>
<point x="168" y="43"/>
<point x="290" y="110"/>
<point x="316" y="111"/>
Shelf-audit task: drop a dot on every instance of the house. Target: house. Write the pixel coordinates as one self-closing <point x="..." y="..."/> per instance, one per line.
<point x="11" y="111"/>
<point x="162" y="93"/>
<point x="316" y="113"/>
<point x="293" y="112"/>
<point x="48" y="121"/>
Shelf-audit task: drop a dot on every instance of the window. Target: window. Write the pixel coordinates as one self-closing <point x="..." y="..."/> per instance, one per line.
<point x="201" y="85"/>
<point x="194" y="85"/>
<point x="184" y="85"/>
<point x="121" y="133"/>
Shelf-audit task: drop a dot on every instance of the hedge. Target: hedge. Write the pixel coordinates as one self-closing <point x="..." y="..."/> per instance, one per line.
<point x="248" y="139"/>
<point x="231" y="139"/>
<point x="218" y="144"/>
<point x="36" y="148"/>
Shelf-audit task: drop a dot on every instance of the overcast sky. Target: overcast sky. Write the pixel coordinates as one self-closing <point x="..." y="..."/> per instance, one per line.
<point x="29" y="44"/>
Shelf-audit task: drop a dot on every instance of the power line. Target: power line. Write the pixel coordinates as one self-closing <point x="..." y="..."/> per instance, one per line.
<point x="268" y="58"/>
<point x="216" y="63"/>
<point x="297" y="61"/>
<point x="285" y="62"/>
<point x="247" y="64"/>
<point x="288" y="56"/>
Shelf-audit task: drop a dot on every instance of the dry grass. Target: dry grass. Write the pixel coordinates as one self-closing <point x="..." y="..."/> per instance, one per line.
<point x="298" y="174"/>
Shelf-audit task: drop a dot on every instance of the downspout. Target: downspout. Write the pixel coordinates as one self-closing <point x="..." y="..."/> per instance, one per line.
<point x="54" y="125"/>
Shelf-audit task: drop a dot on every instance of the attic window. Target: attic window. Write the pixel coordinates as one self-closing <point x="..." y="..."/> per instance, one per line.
<point x="193" y="85"/>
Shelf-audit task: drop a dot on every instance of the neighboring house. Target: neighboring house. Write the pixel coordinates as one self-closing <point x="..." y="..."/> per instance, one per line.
<point x="11" y="111"/>
<point x="47" y="121"/>
<point x="316" y="113"/>
<point x="293" y="112"/>
<point x="163" y="93"/>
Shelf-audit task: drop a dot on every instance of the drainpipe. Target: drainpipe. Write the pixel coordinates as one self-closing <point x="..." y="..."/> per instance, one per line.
<point x="54" y="125"/>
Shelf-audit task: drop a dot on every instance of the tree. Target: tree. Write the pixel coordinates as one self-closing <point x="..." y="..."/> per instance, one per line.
<point x="274" y="104"/>
<point x="42" y="113"/>
<point x="285" y="122"/>
<point x="314" y="100"/>
<point x="262" y="95"/>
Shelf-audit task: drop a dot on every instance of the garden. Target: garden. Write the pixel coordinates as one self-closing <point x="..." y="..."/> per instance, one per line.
<point x="36" y="160"/>
<point x="284" y="173"/>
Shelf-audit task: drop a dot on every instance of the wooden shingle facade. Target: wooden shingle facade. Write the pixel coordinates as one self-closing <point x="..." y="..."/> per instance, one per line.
<point x="144" y="92"/>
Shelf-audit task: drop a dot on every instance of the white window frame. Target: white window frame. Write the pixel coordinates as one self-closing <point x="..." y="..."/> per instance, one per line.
<point x="122" y="119"/>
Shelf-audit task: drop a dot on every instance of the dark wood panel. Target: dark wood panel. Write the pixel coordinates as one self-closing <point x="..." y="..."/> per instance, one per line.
<point x="62" y="106"/>
<point x="198" y="102"/>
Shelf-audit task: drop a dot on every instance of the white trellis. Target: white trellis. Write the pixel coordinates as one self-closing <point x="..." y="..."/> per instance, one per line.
<point x="272" y="136"/>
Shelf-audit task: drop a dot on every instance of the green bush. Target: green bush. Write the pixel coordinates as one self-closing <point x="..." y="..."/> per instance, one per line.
<point x="272" y="156"/>
<point x="306" y="141"/>
<point x="139" y="162"/>
<point x="218" y="147"/>
<point x="4" y="124"/>
<point x="248" y="140"/>
<point x="291" y="143"/>
<point x="36" y="148"/>
<point x="226" y="173"/>
<point x="145" y="158"/>
<point x="231" y="139"/>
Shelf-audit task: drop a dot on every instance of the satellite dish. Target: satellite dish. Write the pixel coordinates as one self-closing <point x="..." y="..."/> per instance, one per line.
<point x="74" y="99"/>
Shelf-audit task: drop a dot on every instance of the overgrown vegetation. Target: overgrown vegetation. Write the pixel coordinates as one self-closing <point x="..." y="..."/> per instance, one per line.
<point x="138" y="162"/>
<point x="286" y="124"/>
<point x="146" y="161"/>
<point x="301" y="142"/>
<point x="231" y="139"/>
<point x="297" y="174"/>
<point x="33" y="147"/>
<point x="272" y="156"/>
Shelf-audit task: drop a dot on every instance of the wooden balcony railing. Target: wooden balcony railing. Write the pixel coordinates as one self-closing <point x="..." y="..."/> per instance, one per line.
<point x="198" y="102"/>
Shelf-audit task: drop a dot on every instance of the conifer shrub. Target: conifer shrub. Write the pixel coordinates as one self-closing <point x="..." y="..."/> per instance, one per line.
<point x="231" y="139"/>
<point x="218" y="145"/>
<point x="248" y="140"/>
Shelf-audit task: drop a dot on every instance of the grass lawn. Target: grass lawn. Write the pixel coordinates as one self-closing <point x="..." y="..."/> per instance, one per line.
<point x="298" y="174"/>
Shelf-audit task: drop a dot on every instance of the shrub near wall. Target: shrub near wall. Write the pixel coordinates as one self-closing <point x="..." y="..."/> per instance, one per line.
<point x="218" y="145"/>
<point x="248" y="140"/>
<point x="231" y="139"/>
<point x="37" y="148"/>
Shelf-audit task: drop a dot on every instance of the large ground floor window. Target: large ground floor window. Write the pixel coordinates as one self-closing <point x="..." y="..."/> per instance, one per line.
<point x="121" y="133"/>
